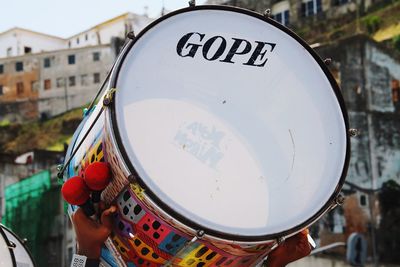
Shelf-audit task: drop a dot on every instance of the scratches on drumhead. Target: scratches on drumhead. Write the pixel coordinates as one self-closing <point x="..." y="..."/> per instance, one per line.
<point x="293" y="156"/>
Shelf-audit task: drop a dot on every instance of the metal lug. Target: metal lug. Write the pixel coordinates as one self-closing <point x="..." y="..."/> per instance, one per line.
<point x="59" y="167"/>
<point x="280" y="240"/>
<point x="267" y="13"/>
<point x="339" y="200"/>
<point x="327" y="61"/>
<point x="354" y="132"/>
<point x="131" y="35"/>
<point x="108" y="98"/>
<point x="200" y="234"/>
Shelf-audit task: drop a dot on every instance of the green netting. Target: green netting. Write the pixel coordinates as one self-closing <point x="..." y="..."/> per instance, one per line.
<point x="29" y="187"/>
<point x="31" y="208"/>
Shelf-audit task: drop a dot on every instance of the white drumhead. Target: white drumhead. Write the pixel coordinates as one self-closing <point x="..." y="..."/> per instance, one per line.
<point x="5" y="253"/>
<point x="22" y="257"/>
<point x="237" y="148"/>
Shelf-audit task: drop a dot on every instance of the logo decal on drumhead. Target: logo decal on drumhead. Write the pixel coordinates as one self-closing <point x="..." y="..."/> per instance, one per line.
<point x="202" y="142"/>
<point x="214" y="48"/>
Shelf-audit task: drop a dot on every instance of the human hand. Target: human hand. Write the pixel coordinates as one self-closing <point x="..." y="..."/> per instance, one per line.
<point x="90" y="234"/>
<point x="294" y="248"/>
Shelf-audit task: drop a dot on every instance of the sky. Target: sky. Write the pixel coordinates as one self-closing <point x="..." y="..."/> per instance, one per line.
<point x="68" y="17"/>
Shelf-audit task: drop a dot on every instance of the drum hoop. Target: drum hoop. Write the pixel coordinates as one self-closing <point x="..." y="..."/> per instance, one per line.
<point x="186" y="221"/>
<point x="8" y="244"/>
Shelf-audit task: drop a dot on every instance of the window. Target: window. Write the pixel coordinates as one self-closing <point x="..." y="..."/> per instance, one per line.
<point x="310" y="7"/>
<point x="69" y="44"/>
<point x="9" y="52"/>
<point x="20" y="88"/>
<point x="96" y="56"/>
<point x="71" y="81"/>
<point x="19" y="66"/>
<point x="84" y="80"/>
<point x="60" y="82"/>
<point x="1" y="90"/>
<point x="77" y="40"/>
<point x="71" y="59"/>
<point x="27" y="49"/>
<point x="46" y="62"/>
<point x="47" y="84"/>
<point x="96" y="77"/>
<point x="363" y="201"/>
<point x="1" y="68"/>
<point x="282" y="17"/>
<point x="86" y="37"/>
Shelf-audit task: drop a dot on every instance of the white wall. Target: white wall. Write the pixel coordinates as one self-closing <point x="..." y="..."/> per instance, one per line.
<point x="280" y="7"/>
<point x="86" y="38"/>
<point x="102" y="33"/>
<point x="17" y="39"/>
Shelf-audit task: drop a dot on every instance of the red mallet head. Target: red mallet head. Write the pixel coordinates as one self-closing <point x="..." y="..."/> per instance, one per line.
<point x="75" y="191"/>
<point x="97" y="176"/>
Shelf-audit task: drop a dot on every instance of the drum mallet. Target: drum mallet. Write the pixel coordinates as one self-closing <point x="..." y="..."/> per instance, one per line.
<point x="76" y="192"/>
<point x="97" y="177"/>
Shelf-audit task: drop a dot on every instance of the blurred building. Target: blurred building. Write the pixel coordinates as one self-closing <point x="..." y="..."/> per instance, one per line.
<point x="368" y="74"/>
<point x="295" y="12"/>
<point x="42" y="76"/>
<point x="31" y="204"/>
<point x="105" y="32"/>
<point x="18" y="42"/>
<point x="70" y="78"/>
<point x="18" y="88"/>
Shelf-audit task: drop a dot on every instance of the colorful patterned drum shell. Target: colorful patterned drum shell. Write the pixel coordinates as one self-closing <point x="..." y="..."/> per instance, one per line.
<point x="226" y="132"/>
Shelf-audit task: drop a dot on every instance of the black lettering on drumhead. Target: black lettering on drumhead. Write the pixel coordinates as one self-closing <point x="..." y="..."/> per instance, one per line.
<point x="234" y="49"/>
<point x="183" y="43"/>
<point x="210" y="43"/>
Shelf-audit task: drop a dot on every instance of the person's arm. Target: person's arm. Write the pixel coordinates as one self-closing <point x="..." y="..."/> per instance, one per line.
<point x="91" y="235"/>
<point x="294" y="248"/>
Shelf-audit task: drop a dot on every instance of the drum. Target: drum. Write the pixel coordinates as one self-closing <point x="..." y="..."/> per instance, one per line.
<point x="12" y="250"/>
<point x="225" y="133"/>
